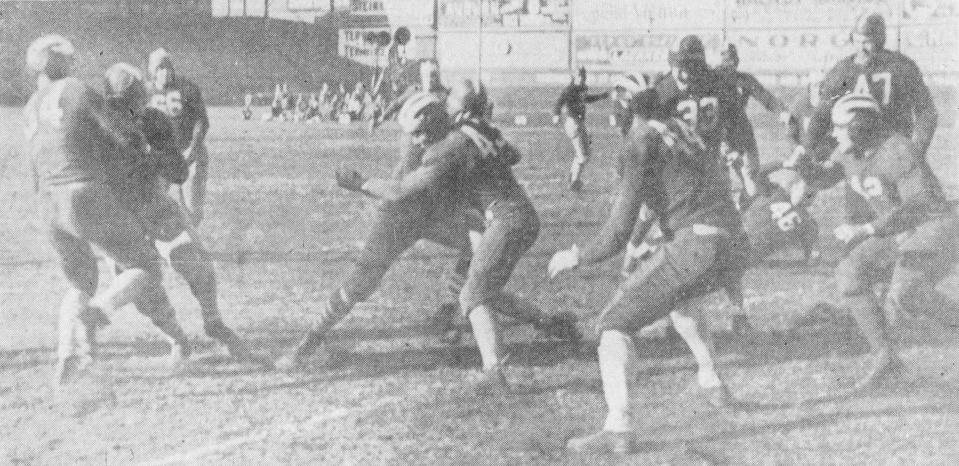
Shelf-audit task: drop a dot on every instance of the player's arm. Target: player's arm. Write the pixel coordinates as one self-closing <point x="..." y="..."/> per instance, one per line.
<point x="590" y="98"/>
<point x="166" y="159"/>
<point x="564" y="97"/>
<point x="760" y="93"/>
<point x="918" y="200"/>
<point x="619" y="226"/>
<point x="834" y="85"/>
<point x="120" y="133"/>
<point x="414" y="182"/>
<point x="924" y="109"/>
<point x="202" y="124"/>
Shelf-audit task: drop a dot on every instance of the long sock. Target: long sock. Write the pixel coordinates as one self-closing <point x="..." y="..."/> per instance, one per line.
<point x="868" y="316"/>
<point x="486" y="335"/>
<point x="191" y="263"/>
<point x="125" y="289"/>
<point x="71" y="330"/>
<point x="617" y="360"/>
<point x="687" y="324"/>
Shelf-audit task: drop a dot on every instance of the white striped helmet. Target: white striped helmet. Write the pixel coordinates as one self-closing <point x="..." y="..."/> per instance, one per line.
<point x="846" y="108"/>
<point x="631" y="83"/>
<point x="421" y="111"/>
<point x="40" y="50"/>
<point x="121" y="77"/>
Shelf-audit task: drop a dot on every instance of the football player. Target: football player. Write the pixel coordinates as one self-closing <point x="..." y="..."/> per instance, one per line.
<point x="436" y="213"/>
<point x="180" y="99"/>
<point x="429" y="82"/>
<point x="891" y="78"/>
<point x="778" y="218"/>
<point x="571" y="106"/>
<point x="473" y="165"/>
<point x="625" y="87"/>
<point x="141" y="182"/>
<point x="743" y="156"/>
<point x="913" y="236"/>
<point x="72" y="140"/>
<point x="671" y="178"/>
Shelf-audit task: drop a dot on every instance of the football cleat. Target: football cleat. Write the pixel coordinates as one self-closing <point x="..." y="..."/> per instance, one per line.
<point x="604" y="441"/>
<point x="310" y="343"/>
<point x="492" y="382"/>
<point x="718" y="397"/>
<point x="234" y="344"/>
<point x="70" y="367"/>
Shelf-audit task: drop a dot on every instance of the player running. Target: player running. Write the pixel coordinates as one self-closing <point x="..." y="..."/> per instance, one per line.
<point x="743" y="155"/>
<point x="913" y="235"/>
<point x="435" y="212"/>
<point x="180" y="99"/>
<point x="671" y="178"/>
<point x="72" y="141"/>
<point x="571" y="106"/>
<point x="141" y="182"/>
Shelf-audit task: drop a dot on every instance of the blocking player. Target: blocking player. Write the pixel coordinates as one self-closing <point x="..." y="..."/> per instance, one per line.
<point x="435" y="213"/>
<point x="180" y="99"/>
<point x="743" y="156"/>
<point x="473" y="164"/>
<point x="72" y="140"/>
<point x="141" y="182"/>
<point x="671" y="178"/>
<point x="778" y="217"/>
<point x="890" y="77"/>
<point x="913" y="236"/>
<point x="571" y="106"/>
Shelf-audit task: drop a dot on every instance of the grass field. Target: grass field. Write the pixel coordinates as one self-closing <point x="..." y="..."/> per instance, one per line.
<point x="283" y="235"/>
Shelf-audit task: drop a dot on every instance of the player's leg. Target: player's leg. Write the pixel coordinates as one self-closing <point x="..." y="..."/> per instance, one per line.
<point x="867" y="264"/>
<point x="576" y="130"/>
<point x="645" y="296"/>
<point x="194" y="188"/>
<point x="391" y="234"/>
<point x="926" y="257"/>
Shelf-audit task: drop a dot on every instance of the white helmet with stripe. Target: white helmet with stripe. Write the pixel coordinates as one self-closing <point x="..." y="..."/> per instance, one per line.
<point x="423" y="111"/>
<point x="41" y="49"/>
<point x="846" y="107"/>
<point x="122" y="78"/>
<point x="630" y="83"/>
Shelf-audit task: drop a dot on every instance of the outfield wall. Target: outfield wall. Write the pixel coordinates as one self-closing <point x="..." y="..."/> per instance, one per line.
<point x="779" y="40"/>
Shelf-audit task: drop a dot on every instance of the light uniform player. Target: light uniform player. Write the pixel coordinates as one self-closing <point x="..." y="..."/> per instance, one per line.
<point x="571" y="108"/>
<point x="72" y="142"/>
<point x="743" y="154"/>
<point x="473" y="164"/>
<point x="434" y="213"/>
<point x="913" y="236"/>
<point x="671" y="178"/>
<point x="141" y="182"/>
<point x="625" y="87"/>
<point x="180" y="99"/>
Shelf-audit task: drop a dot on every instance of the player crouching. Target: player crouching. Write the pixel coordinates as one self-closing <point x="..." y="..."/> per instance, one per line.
<point x="778" y="217"/>
<point x="141" y="181"/>
<point x="668" y="177"/>
<point x="913" y="237"/>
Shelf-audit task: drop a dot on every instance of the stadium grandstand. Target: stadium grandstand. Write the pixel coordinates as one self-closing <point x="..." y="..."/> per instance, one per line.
<point x="229" y="56"/>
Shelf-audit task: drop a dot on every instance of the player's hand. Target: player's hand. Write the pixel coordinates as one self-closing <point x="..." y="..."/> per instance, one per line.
<point x="785" y="117"/>
<point x="350" y="180"/>
<point x="188" y="154"/>
<point x="555" y="119"/>
<point x="848" y="233"/>
<point x="566" y="259"/>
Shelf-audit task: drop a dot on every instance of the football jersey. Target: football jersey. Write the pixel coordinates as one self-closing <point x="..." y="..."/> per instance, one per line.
<point x="182" y="102"/>
<point x="573" y="101"/>
<point x="897" y="183"/>
<point x="708" y="104"/>
<point x="69" y="136"/>
<point x="894" y="81"/>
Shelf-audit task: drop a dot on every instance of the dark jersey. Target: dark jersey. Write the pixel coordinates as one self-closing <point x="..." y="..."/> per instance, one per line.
<point x="70" y="136"/>
<point x="181" y="100"/>
<point x="894" y="81"/>
<point x="136" y="174"/>
<point x="897" y="183"/>
<point x="573" y="100"/>
<point x="708" y="104"/>
<point x="667" y="168"/>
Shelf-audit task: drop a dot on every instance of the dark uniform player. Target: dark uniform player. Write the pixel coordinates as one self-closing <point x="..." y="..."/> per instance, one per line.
<point x="435" y="214"/>
<point x="892" y="79"/>
<point x="913" y="237"/>
<point x="72" y="142"/>
<point x="140" y="181"/>
<point x="778" y="217"/>
<point x="571" y="106"/>
<point x="743" y="154"/>
<point x="180" y="99"/>
<point x="670" y="178"/>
